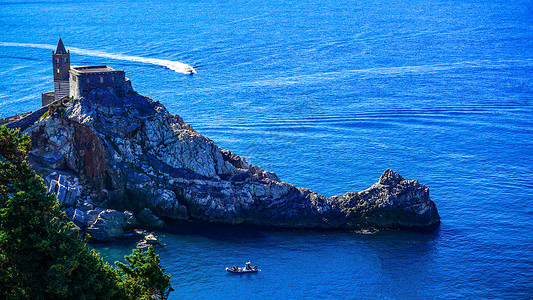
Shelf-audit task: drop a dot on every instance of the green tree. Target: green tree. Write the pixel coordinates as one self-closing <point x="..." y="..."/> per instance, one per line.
<point x="144" y="277"/>
<point x="41" y="255"/>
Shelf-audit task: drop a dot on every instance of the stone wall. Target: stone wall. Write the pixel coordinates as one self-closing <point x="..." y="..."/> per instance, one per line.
<point x="61" y="64"/>
<point x="29" y="119"/>
<point x="14" y="118"/>
<point x="47" y="98"/>
<point x="62" y="88"/>
<point x="82" y="84"/>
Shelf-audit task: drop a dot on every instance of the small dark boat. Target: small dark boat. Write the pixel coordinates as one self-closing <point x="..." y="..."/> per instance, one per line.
<point x="247" y="269"/>
<point x="241" y="271"/>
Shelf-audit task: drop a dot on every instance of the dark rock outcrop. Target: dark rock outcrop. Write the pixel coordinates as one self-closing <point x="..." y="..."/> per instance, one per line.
<point x="132" y="154"/>
<point x="108" y="225"/>
<point x="147" y="219"/>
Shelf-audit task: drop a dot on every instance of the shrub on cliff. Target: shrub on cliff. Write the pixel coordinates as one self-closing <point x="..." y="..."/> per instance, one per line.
<point x="41" y="255"/>
<point x="144" y="278"/>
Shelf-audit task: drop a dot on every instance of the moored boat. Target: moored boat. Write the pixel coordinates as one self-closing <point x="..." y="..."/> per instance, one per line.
<point x="241" y="271"/>
<point x="246" y="269"/>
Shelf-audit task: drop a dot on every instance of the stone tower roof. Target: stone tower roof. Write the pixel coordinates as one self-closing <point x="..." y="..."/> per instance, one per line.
<point x="60" y="48"/>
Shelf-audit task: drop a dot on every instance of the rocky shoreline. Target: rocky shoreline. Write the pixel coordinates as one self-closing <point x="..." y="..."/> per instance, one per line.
<point x="118" y="163"/>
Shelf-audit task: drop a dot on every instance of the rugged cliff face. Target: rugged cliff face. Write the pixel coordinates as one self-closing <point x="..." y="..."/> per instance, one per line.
<point x="131" y="153"/>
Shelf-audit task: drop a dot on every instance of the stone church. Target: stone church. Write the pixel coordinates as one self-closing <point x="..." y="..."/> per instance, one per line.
<point x="78" y="81"/>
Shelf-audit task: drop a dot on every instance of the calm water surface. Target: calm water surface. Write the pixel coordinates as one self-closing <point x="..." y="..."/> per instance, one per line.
<point x="326" y="94"/>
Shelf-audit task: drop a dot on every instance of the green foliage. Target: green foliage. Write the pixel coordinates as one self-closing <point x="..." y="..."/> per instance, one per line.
<point x="13" y="148"/>
<point x="45" y="115"/>
<point x="144" y="277"/>
<point x="41" y="255"/>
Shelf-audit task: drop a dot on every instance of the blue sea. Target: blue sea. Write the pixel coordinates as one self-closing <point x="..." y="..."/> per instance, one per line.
<point x="328" y="95"/>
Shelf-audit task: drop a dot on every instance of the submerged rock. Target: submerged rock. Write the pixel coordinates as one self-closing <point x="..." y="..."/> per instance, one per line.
<point x="150" y="239"/>
<point x="132" y="154"/>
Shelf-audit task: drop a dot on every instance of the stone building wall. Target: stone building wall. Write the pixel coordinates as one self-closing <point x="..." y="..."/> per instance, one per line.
<point x="47" y="98"/>
<point x="62" y="89"/>
<point x="61" y="64"/>
<point x="81" y="83"/>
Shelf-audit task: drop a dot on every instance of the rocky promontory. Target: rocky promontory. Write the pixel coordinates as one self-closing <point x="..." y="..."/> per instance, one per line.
<point x="120" y="162"/>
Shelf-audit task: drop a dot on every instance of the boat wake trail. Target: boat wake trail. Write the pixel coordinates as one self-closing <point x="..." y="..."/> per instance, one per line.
<point x="169" y="64"/>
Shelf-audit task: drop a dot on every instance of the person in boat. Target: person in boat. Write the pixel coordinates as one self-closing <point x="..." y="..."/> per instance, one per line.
<point x="234" y="268"/>
<point x="248" y="266"/>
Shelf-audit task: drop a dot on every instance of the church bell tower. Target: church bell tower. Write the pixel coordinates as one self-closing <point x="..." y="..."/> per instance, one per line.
<point x="61" y="65"/>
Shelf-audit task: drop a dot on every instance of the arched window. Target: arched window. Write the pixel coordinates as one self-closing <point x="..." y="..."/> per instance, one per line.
<point x="57" y="60"/>
<point x="101" y="79"/>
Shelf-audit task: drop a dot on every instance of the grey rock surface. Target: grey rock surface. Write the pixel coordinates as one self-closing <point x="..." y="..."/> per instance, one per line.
<point x="108" y="226"/>
<point x="131" y="220"/>
<point x="150" y="239"/>
<point x="79" y="218"/>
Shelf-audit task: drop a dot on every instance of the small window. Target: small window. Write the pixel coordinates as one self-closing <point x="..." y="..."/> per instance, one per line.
<point x="57" y="71"/>
<point x="59" y="86"/>
<point x="65" y="59"/>
<point x="113" y="78"/>
<point x="101" y="79"/>
<point x="87" y="80"/>
<point x="57" y="60"/>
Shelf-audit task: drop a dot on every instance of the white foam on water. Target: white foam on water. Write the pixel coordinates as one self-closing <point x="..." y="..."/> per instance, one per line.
<point x="175" y="66"/>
